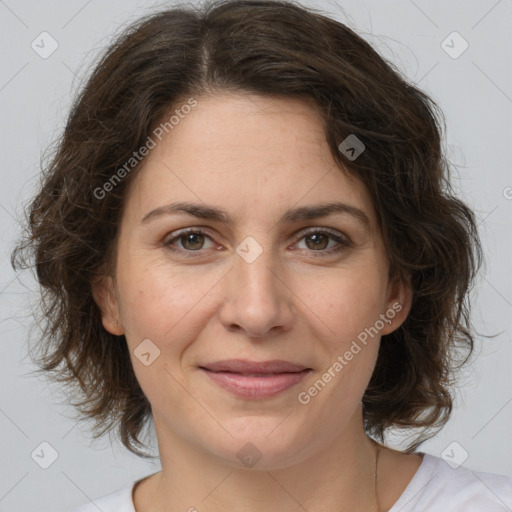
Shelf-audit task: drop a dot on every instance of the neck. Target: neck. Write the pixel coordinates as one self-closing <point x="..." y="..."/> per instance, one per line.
<point x="339" y="477"/>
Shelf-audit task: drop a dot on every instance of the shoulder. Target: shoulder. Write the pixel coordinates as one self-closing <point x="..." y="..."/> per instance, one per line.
<point x="437" y="487"/>
<point x="120" y="501"/>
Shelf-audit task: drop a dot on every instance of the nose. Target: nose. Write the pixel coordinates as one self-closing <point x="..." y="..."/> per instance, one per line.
<point x="258" y="301"/>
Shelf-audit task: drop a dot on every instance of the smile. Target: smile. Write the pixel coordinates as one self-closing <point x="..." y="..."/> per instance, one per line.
<point x="252" y="380"/>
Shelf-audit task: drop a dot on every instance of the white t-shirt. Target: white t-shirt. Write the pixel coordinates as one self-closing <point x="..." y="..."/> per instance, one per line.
<point x="435" y="487"/>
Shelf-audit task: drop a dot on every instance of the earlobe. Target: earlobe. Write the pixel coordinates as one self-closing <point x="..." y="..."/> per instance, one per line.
<point x="398" y="305"/>
<point x="103" y="292"/>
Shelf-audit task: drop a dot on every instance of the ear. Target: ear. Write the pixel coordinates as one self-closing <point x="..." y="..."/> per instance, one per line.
<point x="398" y="304"/>
<point x="104" y="294"/>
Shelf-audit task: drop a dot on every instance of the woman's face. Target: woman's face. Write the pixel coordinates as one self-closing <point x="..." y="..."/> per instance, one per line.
<point x="268" y="277"/>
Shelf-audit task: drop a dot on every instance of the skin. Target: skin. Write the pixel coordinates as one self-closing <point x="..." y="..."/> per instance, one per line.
<point x="256" y="157"/>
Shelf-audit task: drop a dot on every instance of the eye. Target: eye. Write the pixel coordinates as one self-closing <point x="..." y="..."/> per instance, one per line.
<point x="191" y="240"/>
<point x="317" y="241"/>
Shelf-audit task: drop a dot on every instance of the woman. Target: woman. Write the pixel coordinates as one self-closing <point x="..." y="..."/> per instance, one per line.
<point x="247" y="236"/>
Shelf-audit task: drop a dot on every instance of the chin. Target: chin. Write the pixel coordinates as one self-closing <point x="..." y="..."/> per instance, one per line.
<point x="262" y="443"/>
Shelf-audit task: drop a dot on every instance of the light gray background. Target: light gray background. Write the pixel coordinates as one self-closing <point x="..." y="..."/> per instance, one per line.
<point x="475" y="92"/>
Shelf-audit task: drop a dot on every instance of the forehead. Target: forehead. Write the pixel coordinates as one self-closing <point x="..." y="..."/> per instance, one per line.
<point x="244" y="152"/>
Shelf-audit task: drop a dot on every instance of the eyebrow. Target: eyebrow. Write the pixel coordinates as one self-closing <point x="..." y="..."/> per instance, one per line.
<point x="301" y="213"/>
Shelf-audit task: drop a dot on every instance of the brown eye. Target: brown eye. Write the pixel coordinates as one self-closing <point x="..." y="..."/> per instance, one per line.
<point x="321" y="242"/>
<point x="192" y="241"/>
<point x="318" y="241"/>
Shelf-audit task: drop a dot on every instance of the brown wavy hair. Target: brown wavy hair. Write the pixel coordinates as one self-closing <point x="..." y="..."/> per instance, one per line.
<point x="276" y="48"/>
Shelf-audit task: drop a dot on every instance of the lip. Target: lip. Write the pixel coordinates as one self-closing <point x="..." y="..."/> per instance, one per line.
<point x="255" y="380"/>
<point x="247" y="367"/>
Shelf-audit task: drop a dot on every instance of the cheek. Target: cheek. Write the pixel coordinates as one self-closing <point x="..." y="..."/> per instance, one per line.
<point x="168" y="308"/>
<point x="344" y="302"/>
<point x="347" y="309"/>
<point x="172" y="307"/>
<point x="163" y="305"/>
<point x="349" y="306"/>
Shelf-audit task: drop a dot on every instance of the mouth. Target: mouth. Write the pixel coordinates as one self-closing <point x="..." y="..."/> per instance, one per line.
<point x="255" y="380"/>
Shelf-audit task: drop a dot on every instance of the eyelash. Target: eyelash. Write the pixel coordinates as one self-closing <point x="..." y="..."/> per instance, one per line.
<point x="343" y="242"/>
